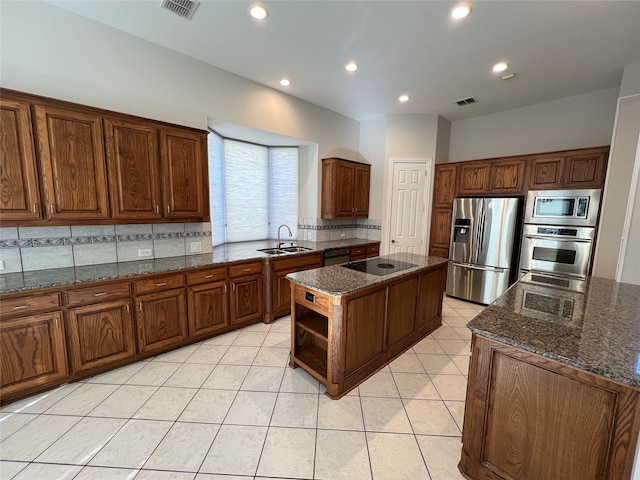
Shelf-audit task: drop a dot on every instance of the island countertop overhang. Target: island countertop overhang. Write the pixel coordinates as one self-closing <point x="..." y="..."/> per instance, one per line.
<point x="339" y="281"/>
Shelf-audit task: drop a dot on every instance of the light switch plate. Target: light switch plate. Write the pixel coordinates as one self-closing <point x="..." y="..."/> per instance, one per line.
<point x="144" y="252"/>
<point x="196" y="247"/>
<point x="1" y="264"/>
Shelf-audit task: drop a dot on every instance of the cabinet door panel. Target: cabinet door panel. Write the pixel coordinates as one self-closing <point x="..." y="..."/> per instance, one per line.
<point x="184" y="167"/>
<point x="162" y="320"/>
<point x="246" y="299"/>
<point x="73" y="163"/>
<point x="444" y="186"/>
<point x="507" y="176"/>
<point x="546" y="172"/>
<point x="361" y="194"/>
<point x="586" y="170"/>
<point x="132" y="158"/>
<point x="429" y="308"/>
<point x="100" y="334"/>
<point x="208" y="308"/>
<point x="474" y="178"/>
<point x="364" y="328"/>
<point x="401" y="310"/>
<point x="33" y="352"/>
<point x="344" y="185"/>
<point x="19" y="193"/>
<point x="440" y="228"/>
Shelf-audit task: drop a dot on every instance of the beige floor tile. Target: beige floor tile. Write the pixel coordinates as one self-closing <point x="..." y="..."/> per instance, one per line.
<point x="442" y="455"/>
<point x="456" y="409"/>
<point x="167" y="403"/>
<point x="132" y="445"/>
<point x="295" y="410"/>
<point x="160" y="475"/>
<point x="438" y="364"/>
<point x="190" y="375"/>
<point x="455" y="347"/>
<point x="251" y="408"/>
<point x="80" y="443"/>
<point x="9" y="469"/>
<point x="463" y="332"/>
<point x="341" y="455"/>
<point x="82" y="400"/>
<point x="462" y="362"/>
<point x="208" y="406"/>
<point x="176" y="356"/>
<point x="239" y="355"/>
<point x="450" y="387"/>
<point x="384" y="415"/>
<point x="183" y="448"/>
<point x="428" y="345"/>
<point x="224" y="339"/>
<point x="445" y="332"/>
<point x="281" y="325"/>
<point x="35" y="437"/>
<point x="430" y="417"/>
<point x="46" y="471"/>
<point x="208" y="354"/>
<point x="213" y="476"/>
<point x="124" y="402"/>
<point x="343" y="414"/>
<point x="415" y="385"/>
<point x="379" y="385"/>
<point x="468" y="313"/>
<point x="258" y="327"/>
<point x="11" y="422"/>
<point x="455" y="321"/>
<point x="263" y="379"/>
<point x="235" y="451"/>
<point x="153" y="373"/>
<point x="41" y="402"/>
<point x="272" y="357"/>
<point x="250" y="339"/>
<point x="119" y="375"/>
<point x="407" y="363"/>
<point x="296" y="380"/>
<point x="288" y="452"/>
<point x="278" y="340"/>
<point x="104" y="473"/>
<point x="395" y="457"/>
<point x="228" y="377"/>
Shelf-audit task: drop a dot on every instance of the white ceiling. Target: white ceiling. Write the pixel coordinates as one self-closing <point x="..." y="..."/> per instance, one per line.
<point x="555" y="48"/>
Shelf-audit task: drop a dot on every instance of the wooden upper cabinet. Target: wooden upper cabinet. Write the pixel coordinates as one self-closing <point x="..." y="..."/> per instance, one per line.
<point x="507" y="176"/>
<point x="546" y="172"/>
<point x="444" y="185"/>
<point x="134" y="178"/>
<point x="73" y="163"/>
<point x="345" y="188"/>
<point x="585" y="169"/>
<point x="183" y="156"/>
<point x="474" y="178"/>
<point x="19" y="194"/>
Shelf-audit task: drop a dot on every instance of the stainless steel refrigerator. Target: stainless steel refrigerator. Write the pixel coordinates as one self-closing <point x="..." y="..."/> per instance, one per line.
<point x="483" y="251"/>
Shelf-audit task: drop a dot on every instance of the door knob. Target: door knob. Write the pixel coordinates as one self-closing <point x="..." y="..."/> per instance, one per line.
<point x="393" y="241"/>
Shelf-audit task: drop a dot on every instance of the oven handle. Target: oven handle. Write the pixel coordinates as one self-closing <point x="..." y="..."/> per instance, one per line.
<point x="558" y="239"/>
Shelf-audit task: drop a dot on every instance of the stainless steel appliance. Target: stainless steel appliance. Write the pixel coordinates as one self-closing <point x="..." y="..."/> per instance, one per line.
<point x="336" y="256"/>
<point x="482" y="252"/>
<point x="562" y="250"/>
<point x="563" y="207"/>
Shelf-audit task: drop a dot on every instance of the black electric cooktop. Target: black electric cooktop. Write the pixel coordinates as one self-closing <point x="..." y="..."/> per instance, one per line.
<point x="378" y="266"/>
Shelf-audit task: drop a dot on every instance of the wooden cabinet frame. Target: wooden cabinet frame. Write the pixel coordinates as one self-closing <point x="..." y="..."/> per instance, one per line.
<point x="345" y="188"/>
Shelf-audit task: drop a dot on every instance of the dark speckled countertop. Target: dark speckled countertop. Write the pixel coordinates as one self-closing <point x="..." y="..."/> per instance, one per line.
<point x="221" y="255"/>
<point x="339" y="281"/>
<point x="597" y="330"/>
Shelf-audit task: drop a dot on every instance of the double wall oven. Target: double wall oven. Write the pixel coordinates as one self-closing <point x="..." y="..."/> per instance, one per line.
<point x="559" y="232"/>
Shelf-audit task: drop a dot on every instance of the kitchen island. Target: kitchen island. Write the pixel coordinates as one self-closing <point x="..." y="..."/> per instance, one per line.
<point x="554" y="382"/>
<point x="347" y="324"/>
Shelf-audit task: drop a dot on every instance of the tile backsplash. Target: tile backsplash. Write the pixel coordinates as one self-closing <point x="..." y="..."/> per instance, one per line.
<point x="38" y="248"/>
<point x="321" y="230"/>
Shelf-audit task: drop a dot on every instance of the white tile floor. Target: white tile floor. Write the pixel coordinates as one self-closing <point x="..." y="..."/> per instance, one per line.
<point x="230" y="408"/>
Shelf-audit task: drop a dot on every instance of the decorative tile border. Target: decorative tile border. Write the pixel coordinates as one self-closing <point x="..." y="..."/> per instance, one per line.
<point x="339" y="227"/>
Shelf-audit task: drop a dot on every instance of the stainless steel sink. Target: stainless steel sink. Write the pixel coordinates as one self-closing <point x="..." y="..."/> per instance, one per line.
<point x="272" y="251"/>
<point x="295" y="249"/>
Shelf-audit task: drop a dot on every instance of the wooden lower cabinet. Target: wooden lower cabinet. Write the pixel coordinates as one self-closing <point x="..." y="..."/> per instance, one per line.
<point x="100" y="334"/>
<point x="208" y="308"/>
<point x="401" y="310"/>
<point x="162" y="319"/>
<point x="246" y="293"/>
<point x="364" y="329"/>
<point x="531" y="418"/>
<point x="429" y="307"/>
<point x="33" y="352"/>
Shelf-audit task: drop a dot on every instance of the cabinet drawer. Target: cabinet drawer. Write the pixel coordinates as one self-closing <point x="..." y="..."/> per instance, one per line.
<point x="97" y="293"/>
<point x="357" y="251"/>
<point x="245" y="269"/>
<point x="206" y="275"/>
<point x="373" y="249"/>
<point x="316" y="301"/>
<point x="159" y="283"/>
<point x="29" y="304"/>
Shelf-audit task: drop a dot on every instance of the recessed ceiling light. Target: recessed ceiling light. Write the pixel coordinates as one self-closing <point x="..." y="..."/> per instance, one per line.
<point x="351" y="67"/>
<point x="403" y="98"/>
<point x="259" y="12"/>
<point x="500" y="67"/>
<point x="285" y="82"/>
<point x="460" y="11"/>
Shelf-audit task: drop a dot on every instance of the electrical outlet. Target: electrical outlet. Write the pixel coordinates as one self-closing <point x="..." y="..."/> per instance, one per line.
<point x="196" y="247"/>
<point x="144" y="252"/>
<point x="342" y="235"/>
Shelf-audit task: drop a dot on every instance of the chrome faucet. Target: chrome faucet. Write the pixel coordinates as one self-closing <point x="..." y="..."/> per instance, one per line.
<point x="290" y="234"/>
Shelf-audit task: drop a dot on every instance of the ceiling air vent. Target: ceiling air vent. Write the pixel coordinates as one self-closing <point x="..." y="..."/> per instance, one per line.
<point x="466" y="101"/>
<point x="182" y="8"/>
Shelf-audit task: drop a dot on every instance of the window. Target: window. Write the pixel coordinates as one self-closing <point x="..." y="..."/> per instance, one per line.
<point x="254" y="189"/>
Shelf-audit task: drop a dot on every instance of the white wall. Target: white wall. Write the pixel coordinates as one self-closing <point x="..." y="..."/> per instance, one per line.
<point x="574" y="122"/>
<point x="372" y="150"/>
<point x="49" y="51"/>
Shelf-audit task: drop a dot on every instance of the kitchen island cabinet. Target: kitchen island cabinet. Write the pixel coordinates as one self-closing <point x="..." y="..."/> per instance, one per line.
<point x="346" y="324"/>
<point x="553" y="390"/>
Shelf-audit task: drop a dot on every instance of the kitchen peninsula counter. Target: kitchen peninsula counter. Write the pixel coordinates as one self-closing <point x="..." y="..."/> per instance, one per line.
<point x="346" y="324"/>
<point x="554" y="383"/>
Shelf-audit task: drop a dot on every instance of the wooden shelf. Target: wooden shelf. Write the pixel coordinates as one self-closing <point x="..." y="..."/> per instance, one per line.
<point x="315" y="358"/>
<point x="316" y="324"/>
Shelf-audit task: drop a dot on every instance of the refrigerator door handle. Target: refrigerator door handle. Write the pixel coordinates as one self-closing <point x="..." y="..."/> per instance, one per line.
<point x="478" y="267"/>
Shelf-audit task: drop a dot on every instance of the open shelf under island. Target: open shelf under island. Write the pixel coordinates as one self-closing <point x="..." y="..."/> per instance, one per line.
<point x="348" y="324"/>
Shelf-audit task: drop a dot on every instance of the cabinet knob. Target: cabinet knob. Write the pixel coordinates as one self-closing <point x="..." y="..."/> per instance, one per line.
<point x="160" y="284"/>
<point x="34" y="209"/>
<point x="209" y="276"/>
<point x="19" y="307"/>
<point x="100" y="294"/>
<point x="157" y="209"/>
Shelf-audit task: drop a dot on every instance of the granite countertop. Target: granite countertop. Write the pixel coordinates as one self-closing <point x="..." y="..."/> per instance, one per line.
<point x="339" y="281"/>
<point x="597" y="330"/>
<point x="220" y="256"/>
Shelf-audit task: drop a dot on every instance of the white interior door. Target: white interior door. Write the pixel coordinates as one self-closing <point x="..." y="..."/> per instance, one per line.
<point x="408" y="210"/>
